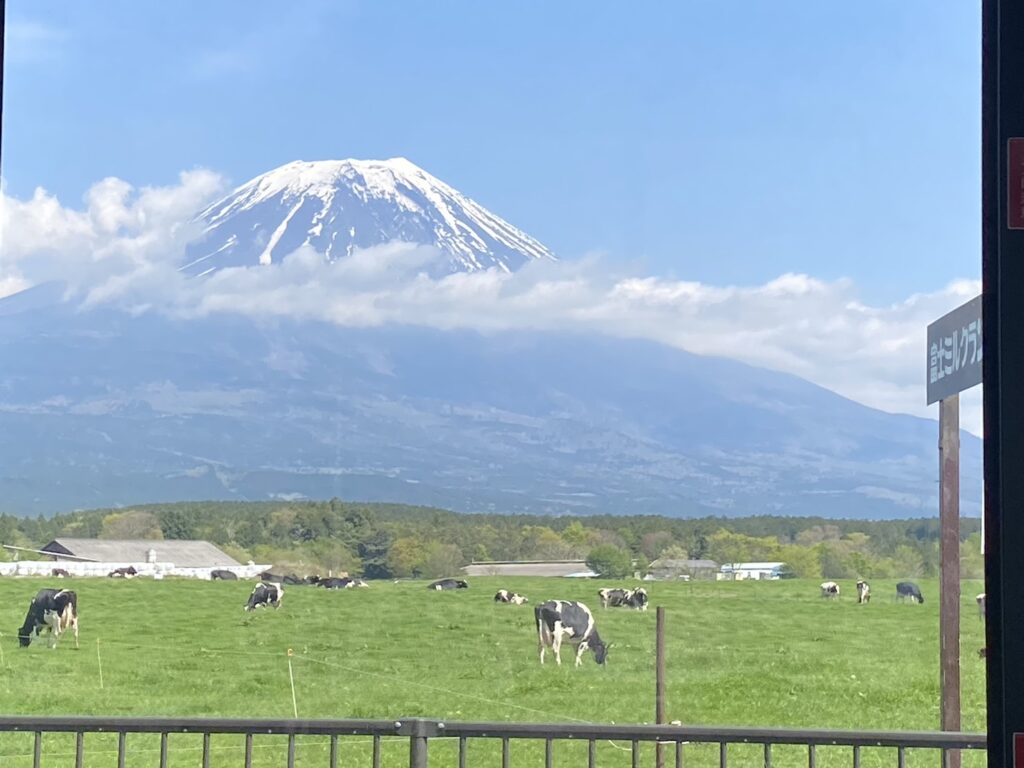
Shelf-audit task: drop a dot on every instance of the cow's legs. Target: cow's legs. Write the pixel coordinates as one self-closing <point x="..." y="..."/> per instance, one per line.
<point x="556" y="643"/>
<point x="579" y="653"/>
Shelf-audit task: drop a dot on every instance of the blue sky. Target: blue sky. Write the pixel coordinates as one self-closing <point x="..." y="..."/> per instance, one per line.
<point x="713" y="141"/>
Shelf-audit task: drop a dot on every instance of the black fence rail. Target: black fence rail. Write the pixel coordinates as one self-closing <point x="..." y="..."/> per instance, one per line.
<point x="633" y="743"/>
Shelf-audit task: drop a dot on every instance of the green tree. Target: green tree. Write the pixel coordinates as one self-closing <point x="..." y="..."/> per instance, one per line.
<point x="610" y="561"/>
<point x="405" y="558"/>
<point x="131" y="525"/>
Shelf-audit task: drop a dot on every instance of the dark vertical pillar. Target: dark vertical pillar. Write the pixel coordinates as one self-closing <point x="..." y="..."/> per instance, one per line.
<point x="949" y="557"/>
<point x="1003" y="316"/>
<point x="659" y="681"/>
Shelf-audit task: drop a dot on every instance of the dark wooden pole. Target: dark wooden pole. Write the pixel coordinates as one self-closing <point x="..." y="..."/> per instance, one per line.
<point x="949" y="555"/>
<point x="659" y="681"/>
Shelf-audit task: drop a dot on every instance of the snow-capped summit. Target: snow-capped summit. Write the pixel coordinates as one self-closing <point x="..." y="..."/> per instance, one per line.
<point x="337" y="205"/>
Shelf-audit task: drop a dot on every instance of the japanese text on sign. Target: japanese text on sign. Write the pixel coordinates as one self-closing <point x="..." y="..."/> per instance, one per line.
<point x="955" y="351"/>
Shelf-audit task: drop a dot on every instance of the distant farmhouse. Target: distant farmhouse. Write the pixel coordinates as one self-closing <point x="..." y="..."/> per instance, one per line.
<point x="183" y="553"/>
<point x="149" y="557"/>
<point x="673" y="568"/>
<point x="755" y="571"/>
<point x="567" y="568"/>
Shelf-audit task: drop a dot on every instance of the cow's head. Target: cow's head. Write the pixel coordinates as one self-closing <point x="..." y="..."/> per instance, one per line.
<point x="600" y="649"/>
<point x="25" y="633"/>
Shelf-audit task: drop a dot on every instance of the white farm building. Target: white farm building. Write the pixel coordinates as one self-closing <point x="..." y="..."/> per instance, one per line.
<point x="754" y="571"/>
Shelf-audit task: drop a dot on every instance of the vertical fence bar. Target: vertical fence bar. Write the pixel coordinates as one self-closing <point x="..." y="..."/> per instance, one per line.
<point x="79" y="750"/>
<point x="163" y="750"/>
<point x="248" y="750"/>
<point x="901" y="757"/>
<point x="768" y="755"/>
<point x="679" y="754"/>
<point x="334" y="751"/>
<point x="812" y="756"/>
<point x="462" y="752"/>
<point x="723" y="754"/>
<point x="291" y="750"/>
<point x="856" y="757"/>
<point x="376" y="751"/>
<point x="418" y="752"/>
<point x="636" y="753"/>
<point x="549" y="753"/>
<point x="206" y="750"/>
<point x="505" y="753"/>
<point x="37" y="750"/>
<point x="592" y="754"/>
<point x="122" y="738"/>
<point x="659" y="682"/>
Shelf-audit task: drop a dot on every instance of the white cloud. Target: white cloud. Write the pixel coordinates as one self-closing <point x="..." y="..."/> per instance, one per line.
<point x="125" y="247"/>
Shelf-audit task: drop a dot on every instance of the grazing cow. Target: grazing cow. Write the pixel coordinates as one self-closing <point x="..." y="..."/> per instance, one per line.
<point x="264" y="594"/>
<point x="53" y="609"/>
<point x="271" y="578"/>
<point x="220" y="575"/>
<point x="442" y="584"/>
<point x="981" y="604"/>
<point x="123" y="573"/>
<point x="829" y="589"/>
<point x="60" y="573"/>
<point x="567" y="618"/>
<point x="909" y="589"/>
<point x="504" y="596"/>
<point x="632" y="598"/>
<point x="863" y="592"/>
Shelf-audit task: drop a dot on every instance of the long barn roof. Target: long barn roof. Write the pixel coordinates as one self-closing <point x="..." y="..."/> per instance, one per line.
<point x="184" y="553"/>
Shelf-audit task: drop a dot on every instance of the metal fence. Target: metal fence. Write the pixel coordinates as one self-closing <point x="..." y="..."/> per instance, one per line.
<point x="633" y="742"/>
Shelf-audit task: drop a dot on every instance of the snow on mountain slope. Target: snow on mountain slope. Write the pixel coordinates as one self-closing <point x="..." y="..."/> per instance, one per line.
<point x="337" y="205"/>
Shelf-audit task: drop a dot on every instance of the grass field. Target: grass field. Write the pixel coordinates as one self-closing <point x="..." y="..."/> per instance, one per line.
<point x="738" y="653"/>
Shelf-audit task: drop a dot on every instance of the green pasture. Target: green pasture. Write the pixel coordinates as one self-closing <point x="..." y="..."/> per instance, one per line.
<point x="738" y="653"/>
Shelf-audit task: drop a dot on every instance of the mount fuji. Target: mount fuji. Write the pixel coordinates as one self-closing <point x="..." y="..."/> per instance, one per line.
<point x="334" y="206"/>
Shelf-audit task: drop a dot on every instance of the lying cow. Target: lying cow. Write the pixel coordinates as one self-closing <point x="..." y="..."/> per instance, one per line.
<point x="441" y="584"/>
<point x="344" y="582"/>
<point x="909" y="589"/>
<point x="632" y="598"/>
<point x="123" y="573"/>
<point x="830" y="590"/>
<point x="558" y="619"/>
<point x="863" y="592"/>
<point x="221" y="575"/>
<point x="504" y="596"/>
<point x="264" y="594"/>
<point x="55" y="610"/>
<point x="980" y="599"/>
<point x="271" y="578"/>
<point x="292" y="580"/>
<point x="60" y="573"/>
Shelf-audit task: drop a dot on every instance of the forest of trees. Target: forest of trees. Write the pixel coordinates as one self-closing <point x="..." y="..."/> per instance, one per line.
<point x="397" y="541"/>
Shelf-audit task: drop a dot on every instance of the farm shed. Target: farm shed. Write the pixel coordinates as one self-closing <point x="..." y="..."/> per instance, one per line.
<point x="671" y="568"/>
<point x="528" y="568"/>
<point x="183" y="553"/>
<point x="755" y="571"/>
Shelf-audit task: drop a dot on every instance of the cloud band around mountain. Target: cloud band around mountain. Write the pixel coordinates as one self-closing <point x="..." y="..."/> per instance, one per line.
<point x="125" y="246"/>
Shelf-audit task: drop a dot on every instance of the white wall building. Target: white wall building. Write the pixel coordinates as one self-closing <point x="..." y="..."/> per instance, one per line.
<point x="756" y="571"/>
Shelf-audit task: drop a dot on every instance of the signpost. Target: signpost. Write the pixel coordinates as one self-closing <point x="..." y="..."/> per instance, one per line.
<point x="954" y="364"/>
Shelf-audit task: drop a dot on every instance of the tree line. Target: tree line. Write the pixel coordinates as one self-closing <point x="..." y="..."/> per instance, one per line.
<point x="400" y="541"/>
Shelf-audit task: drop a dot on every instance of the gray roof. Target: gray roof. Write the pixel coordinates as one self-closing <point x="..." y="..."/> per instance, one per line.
<point x="182" y="552"/>
<point x="526" y="568"/>
<point x="690" y="565"/>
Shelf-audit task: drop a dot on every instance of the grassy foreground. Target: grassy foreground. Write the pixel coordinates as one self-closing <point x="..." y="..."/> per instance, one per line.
<point x="747" y="653"/>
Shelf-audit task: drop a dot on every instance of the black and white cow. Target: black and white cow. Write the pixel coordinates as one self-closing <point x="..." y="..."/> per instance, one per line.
<point x="292" y="580"/>
<point x="264" y="594"/>
<point x="314" y="580"/>
<point x="909" y="589"/>
<point x="980" y="599"/>
<point x="863" y="592"/>
<point x="632" y="598"/>
<point x="55" y="610"/>
<point x="442" y="584"/>
<point x="221" y="575"/>
<point x="568" y="619"/>
<point x="343" y="582"/>
<point x="123" y="573"/>
<point x="829" y="589"/>
<point x="271" y="578"/>
<point x="61" y="573"/>
<point x="504" y="596"/>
